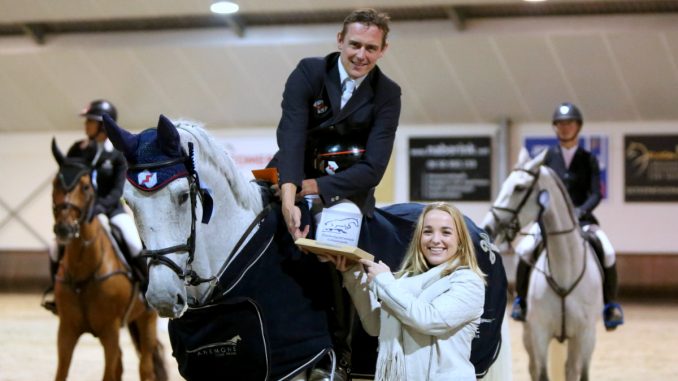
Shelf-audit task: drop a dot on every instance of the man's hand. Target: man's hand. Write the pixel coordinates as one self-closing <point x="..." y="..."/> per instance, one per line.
<point x="292" y="216"/>
<point x="291" y="212"/>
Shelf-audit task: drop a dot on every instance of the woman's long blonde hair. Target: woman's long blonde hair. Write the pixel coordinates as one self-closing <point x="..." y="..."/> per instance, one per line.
<point x="415" y="263"/>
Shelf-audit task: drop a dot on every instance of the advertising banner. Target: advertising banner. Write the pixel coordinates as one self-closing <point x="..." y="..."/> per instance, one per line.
<point x="651" y="168"/>
<point x="450" y="168"/>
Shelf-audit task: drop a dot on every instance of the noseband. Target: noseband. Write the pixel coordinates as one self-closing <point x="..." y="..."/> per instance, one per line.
<point x="512" y="226"/>
<point x="158" y="257"/>
<point x="83" y="214"/>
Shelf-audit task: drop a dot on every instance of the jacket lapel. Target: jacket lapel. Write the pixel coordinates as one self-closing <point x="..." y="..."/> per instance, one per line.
<point x="333" y="89"/>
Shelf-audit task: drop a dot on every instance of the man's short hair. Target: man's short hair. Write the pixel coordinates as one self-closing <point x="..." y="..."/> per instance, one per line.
<point x="368" y="16"/>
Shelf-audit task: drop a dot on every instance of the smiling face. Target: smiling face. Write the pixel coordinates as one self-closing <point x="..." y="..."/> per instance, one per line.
<point x="439" y="238"/>
<point x="361" y="47"/>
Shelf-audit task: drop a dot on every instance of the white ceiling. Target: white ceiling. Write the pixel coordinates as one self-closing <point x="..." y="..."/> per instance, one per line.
<point x="615" y="67"/>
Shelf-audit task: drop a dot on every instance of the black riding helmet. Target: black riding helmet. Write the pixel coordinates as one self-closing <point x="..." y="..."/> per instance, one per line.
<point x="567" y="111"/>
<point x="336" y="157"/>
<point x="96" y="110"/>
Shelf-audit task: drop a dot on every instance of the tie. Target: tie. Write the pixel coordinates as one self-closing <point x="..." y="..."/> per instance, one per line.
<point x="349" y="85"/>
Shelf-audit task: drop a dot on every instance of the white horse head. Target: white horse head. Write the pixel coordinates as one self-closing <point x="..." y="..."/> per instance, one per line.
<point x="173" y="171"/>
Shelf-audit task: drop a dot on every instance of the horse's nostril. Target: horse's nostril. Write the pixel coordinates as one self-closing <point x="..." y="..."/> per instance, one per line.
<point x="180" y="300"/>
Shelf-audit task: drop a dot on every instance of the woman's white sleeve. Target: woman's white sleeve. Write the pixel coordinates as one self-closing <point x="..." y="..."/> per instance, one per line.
<point x="366" y="304"/>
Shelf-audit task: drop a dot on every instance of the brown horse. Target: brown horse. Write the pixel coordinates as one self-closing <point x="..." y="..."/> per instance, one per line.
<point x="94" y="291"/>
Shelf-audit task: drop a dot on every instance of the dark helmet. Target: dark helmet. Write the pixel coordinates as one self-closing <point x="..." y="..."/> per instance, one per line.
<point x="567" y="111"/>
<point x="336" y="157"/>
<point x="96" y="110"/>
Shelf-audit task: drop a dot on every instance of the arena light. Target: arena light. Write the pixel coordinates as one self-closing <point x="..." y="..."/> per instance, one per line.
<point x="224" y="7"/>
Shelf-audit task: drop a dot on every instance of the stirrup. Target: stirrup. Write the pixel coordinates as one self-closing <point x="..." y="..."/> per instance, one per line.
<point x="48" y="302"/>
<point x="517" y="310"/>
<point x="613" y="316"/>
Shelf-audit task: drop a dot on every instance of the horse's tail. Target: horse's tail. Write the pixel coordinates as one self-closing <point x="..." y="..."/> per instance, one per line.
<point x="159" y="368"/>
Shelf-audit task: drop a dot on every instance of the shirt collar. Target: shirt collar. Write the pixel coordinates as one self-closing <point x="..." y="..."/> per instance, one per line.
<point x="343" y="75"/>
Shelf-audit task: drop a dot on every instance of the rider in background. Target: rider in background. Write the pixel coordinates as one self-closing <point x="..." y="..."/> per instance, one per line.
<point x="339" y="118"/>
<point x="108" y="178"/>
<point x="580" y="172"/>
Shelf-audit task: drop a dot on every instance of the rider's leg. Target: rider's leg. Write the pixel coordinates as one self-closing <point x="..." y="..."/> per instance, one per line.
<point x="125" y="224"/>
<point x="55" y="253"/>
<point x="613" y="314"/>
<point x="526" y="253"/>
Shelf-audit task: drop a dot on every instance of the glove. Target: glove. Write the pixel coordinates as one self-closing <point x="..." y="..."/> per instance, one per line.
<point x="98" y="209"/>
<point x="579" y="213"/>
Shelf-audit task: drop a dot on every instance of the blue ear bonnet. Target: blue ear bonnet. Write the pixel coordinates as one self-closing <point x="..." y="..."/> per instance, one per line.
<point x="149" y="152"/>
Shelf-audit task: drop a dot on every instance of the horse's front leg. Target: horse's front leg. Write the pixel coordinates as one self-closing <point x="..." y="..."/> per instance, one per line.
<point x="536" y="343"/>
<point x="146" y="341"/>
<point x="66" y="340"/>
<point x="110" y="340"/>
<point x="579" y="352"/>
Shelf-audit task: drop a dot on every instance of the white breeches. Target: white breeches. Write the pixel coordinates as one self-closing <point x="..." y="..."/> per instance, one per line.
<point x="610" y="255"/>
<point x="125" y="223"/>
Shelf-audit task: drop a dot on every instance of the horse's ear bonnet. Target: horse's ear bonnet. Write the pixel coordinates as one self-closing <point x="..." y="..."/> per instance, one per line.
<point x="152" y="146"/>
<point x="70" y="169"/>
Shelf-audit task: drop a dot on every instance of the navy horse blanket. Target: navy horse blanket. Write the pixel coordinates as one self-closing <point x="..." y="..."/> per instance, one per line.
<point x="266" y="319"/>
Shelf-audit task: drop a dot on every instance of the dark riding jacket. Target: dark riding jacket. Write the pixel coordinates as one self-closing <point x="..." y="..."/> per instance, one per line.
<point x="311" y="107"/>
<point x="108" y="174"/>
<point x="581" y="178"/>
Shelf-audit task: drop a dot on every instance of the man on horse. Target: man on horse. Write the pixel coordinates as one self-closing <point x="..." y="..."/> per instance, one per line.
<point x="580" y="172"/>
<point x="335" y="137"/>
<point x="108" y="178"/>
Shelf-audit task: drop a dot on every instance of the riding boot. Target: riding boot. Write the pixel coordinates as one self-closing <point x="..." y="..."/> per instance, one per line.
<point x="519" y="308"/>
<point x="48" y="301"/>
<point x="613" y="315"/>
<point x="340" y="320"/>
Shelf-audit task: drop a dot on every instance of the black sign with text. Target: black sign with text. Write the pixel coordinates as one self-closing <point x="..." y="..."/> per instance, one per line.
<point x="651" y="168"/>
<point x="450" y="168"/>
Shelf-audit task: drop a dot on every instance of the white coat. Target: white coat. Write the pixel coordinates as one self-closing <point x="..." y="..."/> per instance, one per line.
<point x="438" y="322"/>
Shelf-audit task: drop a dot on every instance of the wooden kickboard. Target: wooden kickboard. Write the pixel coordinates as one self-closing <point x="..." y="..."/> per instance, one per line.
<point x="354" y="253"/>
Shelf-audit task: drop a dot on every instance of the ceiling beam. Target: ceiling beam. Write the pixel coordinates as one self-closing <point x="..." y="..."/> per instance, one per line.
<point x="37" y="32"/>
<point x="457" y="18"/>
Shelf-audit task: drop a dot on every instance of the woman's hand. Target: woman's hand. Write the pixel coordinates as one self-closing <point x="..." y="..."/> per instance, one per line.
<point x="341" y="262"/>
<point x="373" y="268"/>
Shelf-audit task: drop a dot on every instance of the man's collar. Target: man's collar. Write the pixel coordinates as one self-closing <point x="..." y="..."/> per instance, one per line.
<point x="343" y="74"/>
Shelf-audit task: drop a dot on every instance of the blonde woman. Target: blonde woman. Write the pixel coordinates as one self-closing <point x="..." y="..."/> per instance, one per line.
<point x="427" y="313"/>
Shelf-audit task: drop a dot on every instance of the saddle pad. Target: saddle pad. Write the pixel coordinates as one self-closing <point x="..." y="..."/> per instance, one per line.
<point x="221" y="341"/>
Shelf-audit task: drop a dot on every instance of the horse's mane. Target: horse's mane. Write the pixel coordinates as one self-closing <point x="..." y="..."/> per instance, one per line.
<point x="215" y="155"/>
<point x="561" y="187"/>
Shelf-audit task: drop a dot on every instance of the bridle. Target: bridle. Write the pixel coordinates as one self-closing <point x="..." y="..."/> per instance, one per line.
<point x="158" y="257"/>
<point x="513" y="226"/>
<point x="73" y="229"/>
